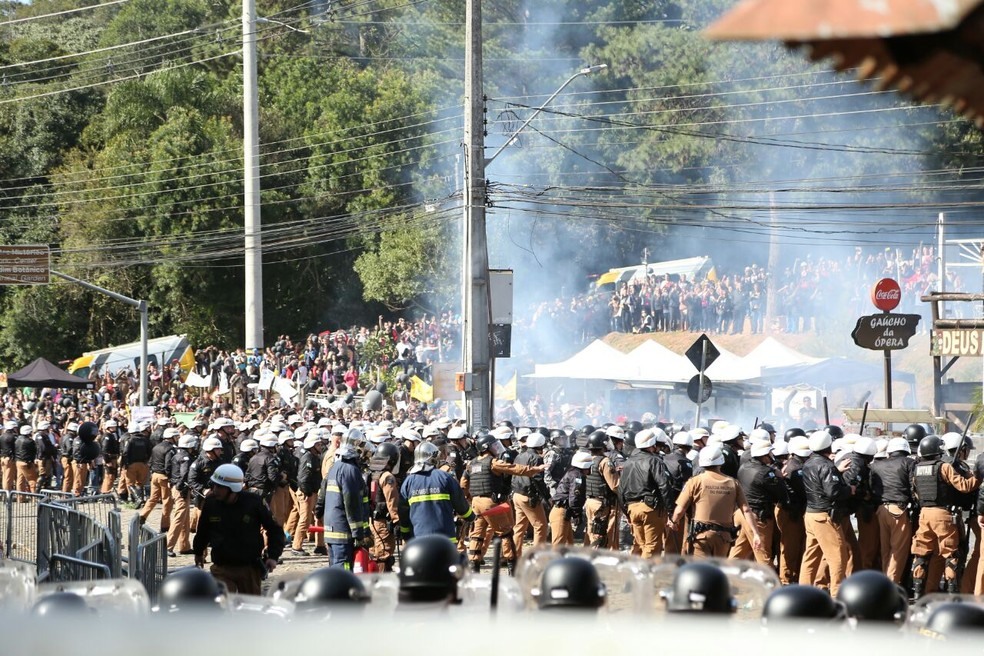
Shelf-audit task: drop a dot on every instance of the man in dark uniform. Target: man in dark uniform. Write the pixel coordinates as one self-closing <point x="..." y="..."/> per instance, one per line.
<point x="160" y="484"/>
<point x="826" y="496"/>
<point x="343" y="502"/>
<point x="200" y="475"/>
<point x="25" y="453"/>
<point x="935" y="484"/>
<point x="264" y="473"/>
<point x="134" y="458"/>
<point x="730" y="437"/>
<point x="47" y="455"/>
<point x="680" y="468"/>
<point x="230" y="524"/>
<point x="65" y="448"/>
<point x="601" y="505"/>
<point x="433" y="496"/>
<point x="789" y="516"/>
<point x="764" y="490"/>
<point x="308" y="484"/>
<point x="110" y="448"/>
<point x="178" y="535"/>
<point x="891" y="487"/>
<point x="557" y="459"/>
<point x="645" y="490"/>
<point x="568" y="500"/>
<point x="85" y="451"/>
<point x="7" y="462"/>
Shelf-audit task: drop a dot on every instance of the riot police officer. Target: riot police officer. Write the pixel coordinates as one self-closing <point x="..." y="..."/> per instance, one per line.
<point x="764" y="491"/>
<point x="935" y="484"/>
<point x="179" y="533"/>
<point x="568" y="500"/>
<point x="484" y="481"/>
<point x="7" y="462"/>
<point x="826" y="494"/>
<point x="557" y="459"/>
<point x="789" y="515"/>
<point x="891" y="487"/>
<point x="645" y="491"/>
<point x="601" y="508"/>
<point x="528" y="495"/>
<point x="680" y="468"/>
<point x="384" y="496"/>
<point x="110" y="448"/>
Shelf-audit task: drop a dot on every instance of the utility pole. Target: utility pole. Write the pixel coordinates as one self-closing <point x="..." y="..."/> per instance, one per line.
<point x="475" y="287"/>
<point x="253" y="270"/>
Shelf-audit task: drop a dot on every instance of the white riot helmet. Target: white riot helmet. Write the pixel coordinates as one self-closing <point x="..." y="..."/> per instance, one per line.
<point x="425" y="457"/>
<point x="820" y="440"/>
<point x="683" y="438"/>
<point x="248" y="446"/>
<point x="799" y="445"/>
<point x="760" y="448"/>
<point x="312" y="440"/>
<point x="898" y="444"/>
<point x="187" y="442"/>
<point x="269" y="441"/>
<point x="865" y="446"/>
<point x="229" y="476"/>
<point x="780" y="448"/>
<point x="211" y="444"/>
<point x="536" y="441"/>
<point x="285" y="437"/>
<point x="645" y="439"/>
<point x="952" y="441"/>
<point x="711" y="456"/>
<point x="759" y="435"/>
<point x="582" y="460"/>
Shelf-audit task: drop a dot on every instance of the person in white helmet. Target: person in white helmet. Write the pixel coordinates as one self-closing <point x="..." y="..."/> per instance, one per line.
<point x="234" y="523"/>
<point x="891" y="484"/>
<point x="179" y="534"/>
<point x="528" y="495"/>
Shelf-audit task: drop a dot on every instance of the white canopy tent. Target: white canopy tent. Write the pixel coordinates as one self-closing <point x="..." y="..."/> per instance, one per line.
<point x="597" y="361"/>
<point x="652" y="361"/>
<point x="773" y="353"/>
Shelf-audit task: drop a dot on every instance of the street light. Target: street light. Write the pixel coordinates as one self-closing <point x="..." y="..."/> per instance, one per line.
<point x="588" y="70"/>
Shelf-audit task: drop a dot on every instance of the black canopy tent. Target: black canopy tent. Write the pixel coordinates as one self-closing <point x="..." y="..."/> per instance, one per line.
<point x="42" y="373"/>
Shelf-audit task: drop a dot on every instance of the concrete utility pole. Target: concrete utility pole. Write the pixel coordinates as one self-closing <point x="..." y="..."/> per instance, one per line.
<point x="253" y="271"/>
<point x="475" y="287"/>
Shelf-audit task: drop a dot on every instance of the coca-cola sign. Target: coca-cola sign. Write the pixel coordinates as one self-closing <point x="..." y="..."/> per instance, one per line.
<point x="886" y="294"/>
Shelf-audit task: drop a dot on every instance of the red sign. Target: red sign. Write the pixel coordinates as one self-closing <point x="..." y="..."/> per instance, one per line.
<point x="886" y="294"/>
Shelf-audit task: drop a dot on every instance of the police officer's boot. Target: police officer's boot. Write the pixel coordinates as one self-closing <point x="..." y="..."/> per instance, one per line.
<point x="919" y="564"/>
<point x="476" y="566"/>
<point x="511" y="567"/>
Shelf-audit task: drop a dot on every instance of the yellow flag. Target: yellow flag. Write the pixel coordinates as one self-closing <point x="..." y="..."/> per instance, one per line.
<point x="420" y="390"/>
<point x="507" y="392"/>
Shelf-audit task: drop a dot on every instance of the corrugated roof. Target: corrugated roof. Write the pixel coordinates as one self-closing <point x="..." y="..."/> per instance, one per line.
<point x="930" y="50"/>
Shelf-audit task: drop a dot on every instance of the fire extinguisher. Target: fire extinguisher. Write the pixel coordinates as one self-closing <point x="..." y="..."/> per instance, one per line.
<point x="363" y="563"/>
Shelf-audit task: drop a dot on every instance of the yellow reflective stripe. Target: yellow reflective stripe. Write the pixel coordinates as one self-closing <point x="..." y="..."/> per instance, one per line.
<point x="468" y="514"/>
<point x="337" y="534"/>
<point x="365" y="499"/>
<point x="333" y="488"/>
<point x="454" y="540"/>
<point x="430" y="497"/>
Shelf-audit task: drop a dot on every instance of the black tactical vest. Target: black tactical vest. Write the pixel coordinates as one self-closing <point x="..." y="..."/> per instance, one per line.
<point x="929" y="487"/>
<point x="481" y="481"/>
<point x="890" y="480"/>
<point x="561" y="464"/>
<point x="597" y="487"/>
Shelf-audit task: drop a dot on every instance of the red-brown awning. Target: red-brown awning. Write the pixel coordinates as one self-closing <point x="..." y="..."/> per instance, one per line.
<point x="930" y="50"/>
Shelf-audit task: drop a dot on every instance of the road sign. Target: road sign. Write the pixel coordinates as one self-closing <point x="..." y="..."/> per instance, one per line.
<point x="694" y="352"/>
<point x="694" y="391"/>
<point x="886" y="294"/>
<point x="885" y="332"/>
<point x="959" y="342"/>
<point x="25" y="265"/>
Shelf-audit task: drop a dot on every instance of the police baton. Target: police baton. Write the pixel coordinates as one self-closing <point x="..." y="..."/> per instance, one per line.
<point x="496" y="562"/>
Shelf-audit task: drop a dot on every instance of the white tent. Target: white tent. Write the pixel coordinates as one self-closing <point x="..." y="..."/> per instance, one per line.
<point x="773" y="353"/>
<point x="597" y="361"/>
<point x="651" y="361"/>
<point x="730" y="368"/>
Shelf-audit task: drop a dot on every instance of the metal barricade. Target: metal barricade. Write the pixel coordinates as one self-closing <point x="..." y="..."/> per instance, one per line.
<point x="20" y="525"/>
<point x="147" y="556"/>
<point x="73" y="546"/>
<point x="97" y="506"/>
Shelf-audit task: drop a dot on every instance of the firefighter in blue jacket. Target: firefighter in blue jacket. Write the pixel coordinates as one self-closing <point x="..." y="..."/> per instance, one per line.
<point x="343" y="501"/>
<point x="434" y="496"/>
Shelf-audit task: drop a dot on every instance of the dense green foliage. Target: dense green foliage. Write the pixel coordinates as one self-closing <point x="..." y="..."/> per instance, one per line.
<point x="127" y="159"/>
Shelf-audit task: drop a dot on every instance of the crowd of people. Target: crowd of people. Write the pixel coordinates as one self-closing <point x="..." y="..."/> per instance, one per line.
<point x="735" y="302"/>
<point x="357" y="490"/>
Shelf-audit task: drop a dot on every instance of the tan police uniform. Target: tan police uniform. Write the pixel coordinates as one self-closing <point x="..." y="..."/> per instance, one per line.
<point x="714" y="497"/>
<point x="601" y="506"/>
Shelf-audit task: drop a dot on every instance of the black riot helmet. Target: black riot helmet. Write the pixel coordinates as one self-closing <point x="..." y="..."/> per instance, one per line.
<point x="88" y="431"/>
<point x="836" y="432"/>
<point x="914" y="433"/>
<point x="767" y="427"/>
<point x="869" y="596"/>
<point x="430" y="569"/>
<point x="59" y="604"/>
<point x="387" y="456"/>
<point x="635" y="426"/>
<point x="570" y="582"/>
<point x="797" y="602"/>
<point x="560" y="439"/>
<point x="587" y="429"/>
<point x="597" y="440"/>
<point x="955" y="618"/>
<point x="484" y="442"/>
<point x="330" y="586"/>
<point x="189" y="588"/>
<point x="793" y="432"/>
<point x="930" y="446"/>
<point x="542" y="430"/>
<point x="700" y="588"/>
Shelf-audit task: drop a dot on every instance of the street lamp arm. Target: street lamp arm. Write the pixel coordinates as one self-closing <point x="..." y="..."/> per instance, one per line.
<point x="584" y="71"/>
